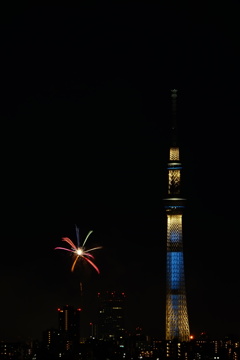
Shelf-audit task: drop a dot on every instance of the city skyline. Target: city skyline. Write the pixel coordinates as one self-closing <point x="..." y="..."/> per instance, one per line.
<point x="85" y="114"/>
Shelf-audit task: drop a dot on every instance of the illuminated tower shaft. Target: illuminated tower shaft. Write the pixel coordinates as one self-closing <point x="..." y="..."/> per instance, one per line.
<point x="177" y="325"/>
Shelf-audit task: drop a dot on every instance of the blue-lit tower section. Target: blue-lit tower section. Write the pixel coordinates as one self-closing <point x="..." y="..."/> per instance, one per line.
<point x="177" y="324"/>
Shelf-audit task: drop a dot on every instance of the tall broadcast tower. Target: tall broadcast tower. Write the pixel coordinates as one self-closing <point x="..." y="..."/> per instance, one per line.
<point x="177" y="325"/>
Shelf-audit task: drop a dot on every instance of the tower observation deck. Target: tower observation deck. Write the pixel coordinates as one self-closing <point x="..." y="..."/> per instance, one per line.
<point x="177" y="324"/>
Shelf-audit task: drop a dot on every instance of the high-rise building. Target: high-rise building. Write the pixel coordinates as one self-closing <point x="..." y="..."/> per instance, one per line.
<point x="111" y="315"/>
<point x="177" y="324"/>
<point x="69" y="326"/>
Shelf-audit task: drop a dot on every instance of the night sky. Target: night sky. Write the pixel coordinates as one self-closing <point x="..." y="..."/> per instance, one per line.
<point x="85" y="120"/>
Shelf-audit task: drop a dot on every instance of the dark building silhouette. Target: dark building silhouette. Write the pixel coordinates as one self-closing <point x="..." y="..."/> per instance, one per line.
<point x="111" y="315"/>
<point x="69" y="326"/>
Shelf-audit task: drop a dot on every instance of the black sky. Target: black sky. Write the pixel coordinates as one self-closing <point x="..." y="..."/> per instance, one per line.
<point x="84" y="122"/>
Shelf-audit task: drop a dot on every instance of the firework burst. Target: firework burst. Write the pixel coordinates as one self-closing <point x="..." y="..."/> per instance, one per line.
<point x="79" y="251"/>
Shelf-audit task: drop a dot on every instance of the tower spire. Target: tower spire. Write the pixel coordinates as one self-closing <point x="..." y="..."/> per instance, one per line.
<point x="174" y="118"/>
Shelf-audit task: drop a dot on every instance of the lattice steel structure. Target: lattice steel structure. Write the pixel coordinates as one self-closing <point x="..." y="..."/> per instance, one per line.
<point x="177" y="324"/>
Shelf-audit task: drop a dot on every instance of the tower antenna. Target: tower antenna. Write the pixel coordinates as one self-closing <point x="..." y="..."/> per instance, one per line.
<point x="174" y="118"/>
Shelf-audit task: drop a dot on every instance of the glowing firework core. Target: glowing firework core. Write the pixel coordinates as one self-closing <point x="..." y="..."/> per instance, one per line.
<point x="79" y="252"/>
